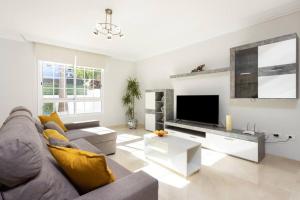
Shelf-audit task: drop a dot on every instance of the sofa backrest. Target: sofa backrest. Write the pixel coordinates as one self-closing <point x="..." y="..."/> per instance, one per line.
<point x="28" y="170"/>
<point x="20" y="150"/>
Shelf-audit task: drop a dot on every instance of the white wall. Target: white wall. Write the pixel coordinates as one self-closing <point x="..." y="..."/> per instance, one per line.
<point x="272" y="116"/>
<point x="19" y="75"/>
<point x="116" y="73"/>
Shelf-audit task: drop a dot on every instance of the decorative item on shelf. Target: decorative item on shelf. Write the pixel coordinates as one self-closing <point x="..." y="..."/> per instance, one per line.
<point x="162" y="98"/>
<point x="132" y="94"/>
<point x="198" y="68"/>
<point x="228" y="123"/>
<point x="162" y="109"/>
<point x="160" y="133"/>
<point x="249" y="131"/>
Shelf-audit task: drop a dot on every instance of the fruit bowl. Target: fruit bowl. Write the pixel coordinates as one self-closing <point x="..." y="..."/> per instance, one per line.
<point x="160" y="133"/>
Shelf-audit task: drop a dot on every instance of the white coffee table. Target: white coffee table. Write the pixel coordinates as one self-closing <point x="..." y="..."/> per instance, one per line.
<point x="181" y="155"/>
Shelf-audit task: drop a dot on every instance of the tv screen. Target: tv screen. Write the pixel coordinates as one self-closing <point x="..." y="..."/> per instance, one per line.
<point x="198" y="108"/>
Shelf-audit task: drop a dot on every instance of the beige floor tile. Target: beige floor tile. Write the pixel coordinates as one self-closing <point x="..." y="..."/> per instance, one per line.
<point x="221" y="177"/>
<point x="295" y="195"/>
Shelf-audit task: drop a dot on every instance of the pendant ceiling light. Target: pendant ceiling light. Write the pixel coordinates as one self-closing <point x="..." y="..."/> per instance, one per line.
<point x="107" y="28"/>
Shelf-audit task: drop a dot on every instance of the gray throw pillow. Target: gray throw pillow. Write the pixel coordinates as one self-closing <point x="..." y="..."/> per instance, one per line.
<point x="39" y="126"/>
<point x="54" y="126"/>
<point x="61" y="143"/>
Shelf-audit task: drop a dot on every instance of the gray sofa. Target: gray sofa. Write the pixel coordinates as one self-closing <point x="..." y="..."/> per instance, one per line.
<point x="101" y="137"/>
<point x="28" y="171"/>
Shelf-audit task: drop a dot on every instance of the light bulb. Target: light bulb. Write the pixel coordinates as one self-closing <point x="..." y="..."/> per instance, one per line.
<point x="96" y="32"/>
<point x="99" y="27"/>
<point x="118" y="29"/>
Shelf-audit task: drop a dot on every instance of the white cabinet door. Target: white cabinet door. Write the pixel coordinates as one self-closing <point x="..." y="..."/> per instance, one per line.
<point x="150" y="100"/>
<point x="150" y="122"/>
<point x="236" y="147"/>
<point x="217" y="143"/>
<point x="244" y="149"/>
<point x="278" y="53"/>
<point x="187" y="136"/>
<point x="277" y="86"/>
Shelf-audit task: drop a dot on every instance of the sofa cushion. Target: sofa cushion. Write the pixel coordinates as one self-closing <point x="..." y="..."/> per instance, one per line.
<point x="49" y="184"/>
<point x="118" y="170"/>
<point x="19" y="114"/>
<point x="61" y="143"/>
<point x="95" y="135"/>
<point x="86" y="170"/>
<point x="82" y="124"/>
<point x="54" y="126"/>
<point x="50" y="133"/>
<point x="53" y="117"/>
<point x="39" y="126"/>
<point x="20" y="152"/>
<point x="86" y="146"/>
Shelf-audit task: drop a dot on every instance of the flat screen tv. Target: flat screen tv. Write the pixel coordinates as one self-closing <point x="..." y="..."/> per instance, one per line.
<point x="198" y="108"/>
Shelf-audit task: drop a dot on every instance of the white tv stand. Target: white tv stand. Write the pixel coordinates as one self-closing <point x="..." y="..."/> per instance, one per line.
<point x="235" y="143"/>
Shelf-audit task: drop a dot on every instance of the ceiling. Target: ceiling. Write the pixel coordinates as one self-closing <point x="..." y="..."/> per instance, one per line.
<point x="151" y="27"/>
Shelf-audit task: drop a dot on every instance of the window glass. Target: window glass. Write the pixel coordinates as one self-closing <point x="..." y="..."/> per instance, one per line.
<point x="70" y="90"/>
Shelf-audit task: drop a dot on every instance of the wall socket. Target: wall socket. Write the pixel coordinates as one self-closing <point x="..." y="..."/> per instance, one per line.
<point x="278" y="135"/>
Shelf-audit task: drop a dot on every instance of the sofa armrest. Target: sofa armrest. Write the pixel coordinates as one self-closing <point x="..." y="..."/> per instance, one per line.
<point x="136" y="186"/>
<point x="81" y="125"/>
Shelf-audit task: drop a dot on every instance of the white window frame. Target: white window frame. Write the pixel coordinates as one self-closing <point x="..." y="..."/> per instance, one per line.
<point x="75" y="99"/>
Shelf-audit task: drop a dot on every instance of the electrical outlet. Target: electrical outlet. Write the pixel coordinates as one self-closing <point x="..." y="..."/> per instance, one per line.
<point x="276" y="135"/>
<point x="292" y="137"/>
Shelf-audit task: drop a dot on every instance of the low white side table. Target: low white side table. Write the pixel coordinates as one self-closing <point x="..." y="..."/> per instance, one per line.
<point x="181" y="155"/>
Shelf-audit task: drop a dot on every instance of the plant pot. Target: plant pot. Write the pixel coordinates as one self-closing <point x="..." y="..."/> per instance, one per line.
<point x="132" y="123"/>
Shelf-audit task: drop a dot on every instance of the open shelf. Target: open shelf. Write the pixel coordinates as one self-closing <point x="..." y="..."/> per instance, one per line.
<point x="211" y="71"/>
<point x="158" y="108"/>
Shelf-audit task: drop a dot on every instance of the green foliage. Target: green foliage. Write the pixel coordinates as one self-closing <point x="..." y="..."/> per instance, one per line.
<point x="80" y="73"/>
<point x="48" y="108"/>
<point x="89" y="74"/>
<point x="132" y="93"/>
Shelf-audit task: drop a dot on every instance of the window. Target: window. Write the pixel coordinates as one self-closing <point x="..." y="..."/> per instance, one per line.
<point x="70" y="89"/>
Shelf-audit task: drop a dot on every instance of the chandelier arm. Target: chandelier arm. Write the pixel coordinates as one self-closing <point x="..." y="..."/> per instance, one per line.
<point x="110" y="22"/>
<point x="108" y="28"/>
<point x="105" y="20"/>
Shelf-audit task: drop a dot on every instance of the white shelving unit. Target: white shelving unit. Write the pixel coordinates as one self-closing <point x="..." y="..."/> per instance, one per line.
<point x="158" y="108"/>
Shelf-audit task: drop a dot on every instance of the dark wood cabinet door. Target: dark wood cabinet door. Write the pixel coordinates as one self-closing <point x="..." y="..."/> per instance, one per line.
<point x="246" y="73"/>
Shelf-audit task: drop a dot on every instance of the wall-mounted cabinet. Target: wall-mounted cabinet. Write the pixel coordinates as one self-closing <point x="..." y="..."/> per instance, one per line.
<point x="265" y="69"/>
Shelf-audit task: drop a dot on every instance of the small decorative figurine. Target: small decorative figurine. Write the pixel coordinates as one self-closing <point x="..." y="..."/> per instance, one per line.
<point x="199" y="68"/>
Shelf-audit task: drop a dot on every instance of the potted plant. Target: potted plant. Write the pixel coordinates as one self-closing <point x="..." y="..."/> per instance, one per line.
<point x="132" y="94"/>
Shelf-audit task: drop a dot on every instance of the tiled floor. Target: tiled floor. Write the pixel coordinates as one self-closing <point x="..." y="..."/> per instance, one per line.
<point x="221" y="177"/>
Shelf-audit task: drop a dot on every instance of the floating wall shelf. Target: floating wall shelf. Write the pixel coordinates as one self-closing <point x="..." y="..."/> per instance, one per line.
<point x="211" y="71"/>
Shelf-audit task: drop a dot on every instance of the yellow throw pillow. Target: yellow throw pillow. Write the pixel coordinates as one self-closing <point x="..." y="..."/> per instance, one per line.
<point x="52" y="117"/>
<point x="85" y="169"/>
<point x="50" y="133"/>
